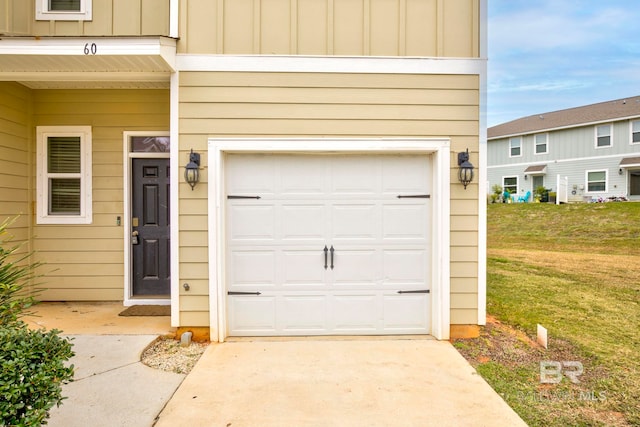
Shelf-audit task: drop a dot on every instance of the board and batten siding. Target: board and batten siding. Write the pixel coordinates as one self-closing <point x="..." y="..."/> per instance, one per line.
<point x="426" y="28"/>
<point x="15" y="159"/>
<point x="85" y="262"/>
<point x="315" y="105"/>
<point x="110" y="18"/>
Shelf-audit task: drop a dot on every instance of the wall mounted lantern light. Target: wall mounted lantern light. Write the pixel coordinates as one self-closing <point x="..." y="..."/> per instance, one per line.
<point x="465" y="168"/>
<point x="620" y="171"/>
<point x="191" y="170"/>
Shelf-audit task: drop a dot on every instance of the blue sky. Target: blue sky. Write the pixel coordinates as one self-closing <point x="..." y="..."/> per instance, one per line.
<point x="548" y="55"/>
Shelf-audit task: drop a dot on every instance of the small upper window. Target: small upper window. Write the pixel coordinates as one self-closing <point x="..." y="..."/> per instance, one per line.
<point x="515" y="147"/>
<point x="635" y="132"/>
<point x="63" y="10"/>
<point x="603" y="136"/>
<point x="64" y="175"/>
<point x="541" y="143"/>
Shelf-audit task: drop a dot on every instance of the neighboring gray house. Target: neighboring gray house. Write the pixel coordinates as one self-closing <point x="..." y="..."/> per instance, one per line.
<point x="594" y="149"/>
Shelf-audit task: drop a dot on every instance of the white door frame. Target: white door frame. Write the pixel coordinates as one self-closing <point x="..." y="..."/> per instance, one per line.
<point x="127" y="210"/>
<point x="438" y="147"/>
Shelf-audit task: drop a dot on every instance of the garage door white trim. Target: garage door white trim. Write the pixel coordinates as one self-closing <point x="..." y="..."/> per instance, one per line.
<point x="440" y="289"/>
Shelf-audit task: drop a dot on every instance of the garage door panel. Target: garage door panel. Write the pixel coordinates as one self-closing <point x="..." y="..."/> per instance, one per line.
<point x="355" y="222"/>
<point x="304" y="222"/>
<point x="405" y="174"/>
<point x="251" y="222"/>
<point x="251" y="174"/>
<point x="250" y="315"/>
<point x="355" y="268"/>
<point x="405" y="221"/>
<point x="406" y="312"/>
<point x="312" y="168"/>
<point x="252" y="268"/>
<point x="355" y="313"/>
<point x="405" y="267"/>
<point x="302" y="268"/>
<point x="355" y="175"/>
<point x="303" y="314"/>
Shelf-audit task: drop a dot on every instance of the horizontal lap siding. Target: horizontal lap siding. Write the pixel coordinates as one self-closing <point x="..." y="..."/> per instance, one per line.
<point x="86" y="262"/>
<point x="15" y="158"/>
<point x="314" y="105"/>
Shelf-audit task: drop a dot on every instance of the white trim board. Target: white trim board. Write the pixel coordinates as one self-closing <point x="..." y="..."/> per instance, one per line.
<point x="439" y="147"/>
<point x="330" y="64"/>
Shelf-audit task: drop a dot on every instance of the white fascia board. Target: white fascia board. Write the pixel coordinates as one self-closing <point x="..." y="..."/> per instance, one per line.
<point x="330" y="64"/>
<point x="52" y="46"/>
<point x="163" y="47"/>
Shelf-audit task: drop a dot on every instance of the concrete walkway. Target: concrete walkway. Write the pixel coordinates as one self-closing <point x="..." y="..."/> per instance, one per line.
<point x="111" y="386"/>
<point x="340" y="382"/>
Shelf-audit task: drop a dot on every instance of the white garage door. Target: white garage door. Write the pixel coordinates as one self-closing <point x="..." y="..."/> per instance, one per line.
<point x="327" y="244"/>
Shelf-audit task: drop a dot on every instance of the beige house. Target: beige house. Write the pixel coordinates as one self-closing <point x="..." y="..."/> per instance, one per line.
<point x="325" y="134"/>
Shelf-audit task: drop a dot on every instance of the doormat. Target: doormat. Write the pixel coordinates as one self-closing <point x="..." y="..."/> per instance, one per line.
<point x="147" y="310"/>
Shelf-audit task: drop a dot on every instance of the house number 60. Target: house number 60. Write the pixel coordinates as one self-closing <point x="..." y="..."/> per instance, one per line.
<point x="90" y="49"/>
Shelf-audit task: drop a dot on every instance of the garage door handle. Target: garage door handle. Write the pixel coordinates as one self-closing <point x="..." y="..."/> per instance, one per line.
<point x="325" y="256"/>
<point x="243" y="293"/>
<point x="420" y="291"/>
<point x="331" y="250"/>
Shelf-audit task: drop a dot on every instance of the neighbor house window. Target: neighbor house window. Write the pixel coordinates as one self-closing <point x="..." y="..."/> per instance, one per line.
<point x="635" y="132"/>
<point x="603" y="136"/>
<point x="597" y="181"/>
<point x="510" y="184"/>
<point x="63" y="10"/>
<point x="515" y="147"/>
<point x="64" y="175"/>
<point x="541" y="146"/>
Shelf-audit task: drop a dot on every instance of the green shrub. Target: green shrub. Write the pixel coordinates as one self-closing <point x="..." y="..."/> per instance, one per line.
<point x="32" y="367"/>
<point x="31" y="374"/>
<point x="15" y="273"/>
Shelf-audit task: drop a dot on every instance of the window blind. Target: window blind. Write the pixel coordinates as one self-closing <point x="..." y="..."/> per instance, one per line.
<point x="65" y="5"/>
<point x="63" y="170"/>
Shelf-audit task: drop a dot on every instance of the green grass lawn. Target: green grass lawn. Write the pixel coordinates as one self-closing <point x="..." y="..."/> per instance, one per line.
<point x="575" y="269"/>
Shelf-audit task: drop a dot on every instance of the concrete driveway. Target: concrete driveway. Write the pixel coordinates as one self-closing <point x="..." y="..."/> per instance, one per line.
<point x="335" y="382"/>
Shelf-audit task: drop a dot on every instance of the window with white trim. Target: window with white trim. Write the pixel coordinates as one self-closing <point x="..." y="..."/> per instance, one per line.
<point x="635" y="132"/>
<point x="541" y="143"/>
<point x="64" y="191"/>
<point x="515" y="146"/>
<point x="604" y="136"/>
<point x="597" y="181"/>
<point x="64" y="10"/>
<point x="510" y="184"/>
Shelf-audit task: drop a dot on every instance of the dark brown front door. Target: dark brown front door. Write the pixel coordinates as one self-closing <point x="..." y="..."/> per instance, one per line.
<point x="634" y="183"/>
<point x="150" y="226"/>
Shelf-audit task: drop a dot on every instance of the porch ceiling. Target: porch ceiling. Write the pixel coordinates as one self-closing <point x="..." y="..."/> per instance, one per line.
<point x="100" y="62"/>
